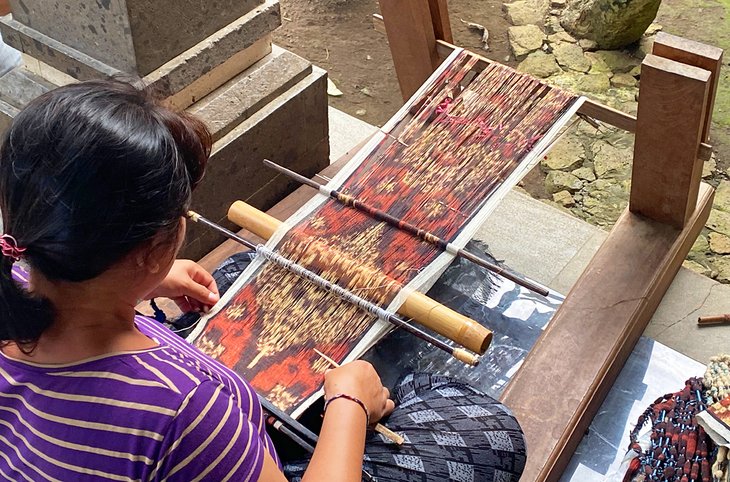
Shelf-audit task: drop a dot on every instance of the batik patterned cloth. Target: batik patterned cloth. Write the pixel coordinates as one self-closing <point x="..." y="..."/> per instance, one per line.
<point x="452" y="432"/>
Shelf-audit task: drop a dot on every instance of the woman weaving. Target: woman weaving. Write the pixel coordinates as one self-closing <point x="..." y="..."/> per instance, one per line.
<point x="94" y="180"/>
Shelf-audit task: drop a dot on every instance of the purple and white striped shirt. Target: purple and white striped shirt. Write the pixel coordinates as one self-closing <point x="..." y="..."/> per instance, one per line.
<point x="168" y="413"/>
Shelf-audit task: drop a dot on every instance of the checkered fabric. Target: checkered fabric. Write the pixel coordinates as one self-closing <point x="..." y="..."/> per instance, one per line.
<point x="452" y="432"/>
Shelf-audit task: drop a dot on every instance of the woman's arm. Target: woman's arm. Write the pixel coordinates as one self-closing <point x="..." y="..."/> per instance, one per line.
<point x="338" y="455"/>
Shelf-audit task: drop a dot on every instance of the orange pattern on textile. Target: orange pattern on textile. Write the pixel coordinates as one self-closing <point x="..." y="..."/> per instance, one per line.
<point x="435" y="169"/>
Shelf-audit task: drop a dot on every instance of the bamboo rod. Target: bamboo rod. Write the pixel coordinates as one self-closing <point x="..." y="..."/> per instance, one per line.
<point x="407" y="227"/>
<point x="417" y="306"/>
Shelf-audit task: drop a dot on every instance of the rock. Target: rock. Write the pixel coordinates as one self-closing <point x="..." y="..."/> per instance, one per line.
<point x="696" y="267"/>
<point x="525" y="39"/>
<point x="646" y="44"/>
<point x="719" y="243"/>
<point x="604" y="205"/>
<point x="361" y="112"/>
<point x="722" y="266"/>
<point x="623" y="80"/>
<point x="584" y="173"/>
<point x="618" y="61"/>
<point x="594" y="83"/>
<point x="722" y="197"/>
<point x="571" y="57"/>
<point x="610" y="161"/>
<point x="564" y="199"/>
<point x="552" y="24"/>
<point x="588" y="45"/>
<point x="557" y="181"/>
<point x="719" y="222"/>
<point x="636" y="72"/>
<point x="653" y="28"/>
<point x="561" y="37"/>
<point x="708" y="168"/>
<point x="558" y="3"/>
<point x="567" y="155"/>
<point x="700" y="247"/>
<point x="598" y="64"/>
<point x="612" y="24"/>
<point x="523" y="12"/>
<point x="539" y="64"/>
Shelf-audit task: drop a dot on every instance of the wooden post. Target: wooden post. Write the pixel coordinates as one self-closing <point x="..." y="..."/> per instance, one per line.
<point x="696" y="54"/>
<point x="4" y="7"/>
<point x="440" y="20"/>
<point x="667" y="172"/>
<point x="410" y="30"/>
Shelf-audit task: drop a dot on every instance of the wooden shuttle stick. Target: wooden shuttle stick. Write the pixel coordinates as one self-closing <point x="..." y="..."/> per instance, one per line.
<point x="417" y="306"/>
<point x="380" y="428"/>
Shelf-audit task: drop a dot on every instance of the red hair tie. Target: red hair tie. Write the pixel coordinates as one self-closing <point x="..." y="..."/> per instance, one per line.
<point x="9" y="247"/>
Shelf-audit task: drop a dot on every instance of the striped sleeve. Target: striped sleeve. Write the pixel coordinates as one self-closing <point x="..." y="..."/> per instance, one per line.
<point x="210" y="439"/>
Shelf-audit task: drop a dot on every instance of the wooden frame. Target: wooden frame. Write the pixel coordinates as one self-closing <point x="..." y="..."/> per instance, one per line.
<point x="585" y="346"/>
<point x="588" y="341"/>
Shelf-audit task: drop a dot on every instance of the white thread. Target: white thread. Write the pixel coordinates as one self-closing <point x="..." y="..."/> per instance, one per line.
<point x="450" y="248"/>
<point x="346" y="295"/>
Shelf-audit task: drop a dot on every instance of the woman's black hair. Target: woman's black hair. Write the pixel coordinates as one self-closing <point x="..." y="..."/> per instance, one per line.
<point x="88" y="172"/>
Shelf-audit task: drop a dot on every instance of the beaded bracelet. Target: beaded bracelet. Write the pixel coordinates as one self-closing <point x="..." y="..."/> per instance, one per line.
<point x="352" y="399"/>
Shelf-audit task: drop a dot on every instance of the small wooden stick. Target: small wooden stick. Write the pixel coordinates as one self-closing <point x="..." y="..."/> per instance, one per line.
<point x="713" y="320"/>
<point x="380" y="428"/>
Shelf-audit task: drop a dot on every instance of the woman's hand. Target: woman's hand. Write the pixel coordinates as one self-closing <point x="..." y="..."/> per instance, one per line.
<point x="360" y="380"/>
<point x="189" y="286"/>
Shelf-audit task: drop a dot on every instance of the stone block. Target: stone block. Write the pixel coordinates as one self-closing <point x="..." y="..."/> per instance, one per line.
<point x="168" y="79"/>
<point x="135" y="36"/>
<point x="291" y="130"/>
<point x="19" y="86"/>
<point x="249" y="91"/>
<point x="7" y="113"/>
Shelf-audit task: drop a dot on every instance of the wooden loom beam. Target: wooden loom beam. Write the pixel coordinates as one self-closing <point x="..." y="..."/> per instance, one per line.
<point x="412" y="39"/>
<point x="666" y="173"/>
<point x="613" y="301"/>
<point x="589" y="339"/>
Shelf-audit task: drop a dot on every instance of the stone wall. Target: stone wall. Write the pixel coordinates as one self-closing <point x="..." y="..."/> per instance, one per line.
<point x="214" y="59"/>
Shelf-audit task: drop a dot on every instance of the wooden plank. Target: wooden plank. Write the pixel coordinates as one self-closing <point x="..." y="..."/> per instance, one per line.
<point x="666" y="173"/>
<point x="565" y="378"/>
<point x="412" y="42"/>
<point x="696" y="54"/>
<point x="440" y="20"/>
<point x="590" y="107"/>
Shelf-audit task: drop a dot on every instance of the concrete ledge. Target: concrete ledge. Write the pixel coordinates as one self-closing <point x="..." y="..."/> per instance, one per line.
<point x="291" y="130"/>
<point x="171" y="77"/>
<point x="251" y="90"/>
<point x="42" y="47"/>
<point x="20" y="86"/>
<point x="7" y="114"/>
